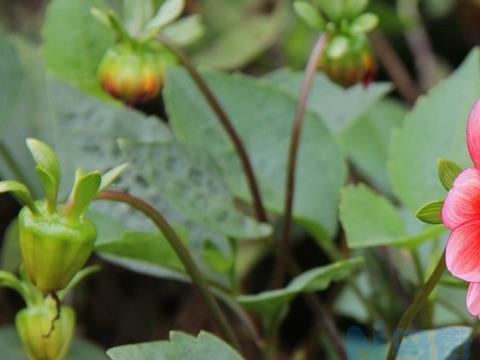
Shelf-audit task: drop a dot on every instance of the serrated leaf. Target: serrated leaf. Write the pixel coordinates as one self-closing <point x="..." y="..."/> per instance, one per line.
<point x="431" y="212"/>
<point x="185" y="31"/>
<point x="75" y="42"/>
<point x="336" y="106"/>
<point x="168" y="12"/>
<point x="20" y="191"/>
<point x="181" y="346"/>
<point x="369" y="220"/>
<point x="84" y="191"/>
<point x="136" y="14"/>
<point x="434" y="129"/>
<point x="197" y="190"/>
<point x="109" y="177"/>
<point x="81" y="349"/>
<point x="262" y="116"/>
<point x="447" y="172"/>
<point x="308" y="13"/>
<point x="270" y="304"/>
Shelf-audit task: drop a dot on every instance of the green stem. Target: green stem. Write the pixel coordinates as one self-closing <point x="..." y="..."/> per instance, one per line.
<point x="197" y="278"/>
<point x="417" y="263"/>
<point x="227" y="125"/>
<point x="415" y="307"/>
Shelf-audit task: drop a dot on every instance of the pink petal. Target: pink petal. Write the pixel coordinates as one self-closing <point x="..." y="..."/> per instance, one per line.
<point x="463" y="251"/>
<point x="473" y="299"/>
<point x="473" y="134"/>
<point x="462" y="203"/>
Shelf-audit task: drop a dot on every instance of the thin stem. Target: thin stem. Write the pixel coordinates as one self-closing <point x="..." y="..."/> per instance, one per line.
<point x="396" y="69"/>
<point x="418" y="265"/>
<point x="415" y="307"/>
<point x="227" y="124"/>
<point x="197" y="278"/>
<point x="292" y="155"/>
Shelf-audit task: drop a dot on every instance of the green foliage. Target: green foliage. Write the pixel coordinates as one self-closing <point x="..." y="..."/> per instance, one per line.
<point x="181" y="346"/>
<point x="272" y="304"/>
<point x="434" y="129"/>
<point x="262" y="116"/>
<point x="367" y="141"/>
<point x="369" y="220"/>
<point x="75" y="42"/>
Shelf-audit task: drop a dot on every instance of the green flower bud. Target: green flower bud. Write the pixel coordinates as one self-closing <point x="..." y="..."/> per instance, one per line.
<point x="54" y="249"/>
<point x="40" y="339"/>
<point x="133" y="72"/>
<point x="354" y="64"/>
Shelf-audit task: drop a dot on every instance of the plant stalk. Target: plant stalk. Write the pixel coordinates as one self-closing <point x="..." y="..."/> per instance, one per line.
<point x="227" y="125"/>
<point x="414" y="308"/>
<point x="292" y="157"/>
<point x="197" y="278"/>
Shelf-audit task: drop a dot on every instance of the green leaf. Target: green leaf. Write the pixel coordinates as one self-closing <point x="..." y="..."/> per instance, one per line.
<point x="185" y="31"/>
<point x="239" y="37"/>
<point x="370" y="220"/>
<point x="308" y="13"/>
<point x="12" y="76"/>
<point x="336" y="106"/>
<point x="181" y="346"/>
<point x="109" y="177"/>
<point x="354" y="8"/>
<point x="262" y="116"/>
<point x="434" y="129"/>
<point x="197" y="191"/>
<point x="136" y="14"/>
<point x="333" y="9"/>
<point x="84" y="191"/>
<point x="447" y="172"/>
<point x="431" y="212"/>
<point x="168" y="12"/>
<point x="75" y="42"/>
<point x="272" y="303"/>
<point x="364" y="23"/>
<point x="20" y="191"/>
<point x="80" y="349"/>
<point x="367" y="141"/>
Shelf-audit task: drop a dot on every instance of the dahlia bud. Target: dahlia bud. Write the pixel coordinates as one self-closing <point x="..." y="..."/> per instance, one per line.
<point x="348" y="60"/>
<point x="45" y="330"/>
<point x="133" y="72"/>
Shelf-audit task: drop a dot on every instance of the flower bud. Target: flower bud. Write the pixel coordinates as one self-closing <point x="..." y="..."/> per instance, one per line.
<point x="133" y="72"/>
<point x="41" y="339"/>
<point x="353" y="65"/>
<point x="53" y="247"/>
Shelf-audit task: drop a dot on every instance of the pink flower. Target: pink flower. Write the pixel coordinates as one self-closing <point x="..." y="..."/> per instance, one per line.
<point x="461" y="214"/>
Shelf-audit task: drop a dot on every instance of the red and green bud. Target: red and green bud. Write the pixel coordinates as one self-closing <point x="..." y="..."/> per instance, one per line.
<point x="134" y="72"/>
<point x="351" y="64"/>
<point x="45" y="330"/>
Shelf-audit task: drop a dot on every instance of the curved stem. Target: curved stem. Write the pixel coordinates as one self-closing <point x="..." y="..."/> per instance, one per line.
<point x="227" y="125"/>
<point x="292" y="155"/>
<point x="414" y="308"/>
<point x="197" y="278"/>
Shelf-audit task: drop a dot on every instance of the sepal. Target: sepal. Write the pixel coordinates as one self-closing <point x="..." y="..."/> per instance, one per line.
<point x="447" y="172"/>
<point x="431" y="212"/>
